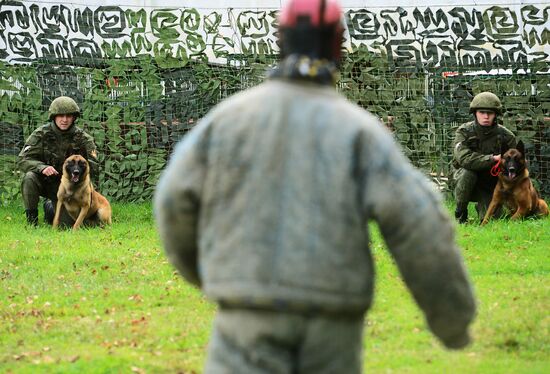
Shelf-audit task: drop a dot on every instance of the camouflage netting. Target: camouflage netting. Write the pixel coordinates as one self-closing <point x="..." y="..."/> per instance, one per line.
<point x="144" y="76"/>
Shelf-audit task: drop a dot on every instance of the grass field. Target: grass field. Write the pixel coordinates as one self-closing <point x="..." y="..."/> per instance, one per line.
<point x="107" y="301"/>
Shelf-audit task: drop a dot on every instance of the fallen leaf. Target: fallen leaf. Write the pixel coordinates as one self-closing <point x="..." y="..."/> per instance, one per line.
<point x="138" y="321"/>
<point x="136" y="298"/>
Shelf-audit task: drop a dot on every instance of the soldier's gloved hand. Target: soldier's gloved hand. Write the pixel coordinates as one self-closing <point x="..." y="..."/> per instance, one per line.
<point x="49" y="171"/>
<point x="458" y="341"/>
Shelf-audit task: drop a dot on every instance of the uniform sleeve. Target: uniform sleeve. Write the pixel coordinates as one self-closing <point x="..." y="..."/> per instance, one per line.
<point x="31" y="157"/>
<point x="177" y="204"/>
<point x="465" y="155"/>
<point x="420" y="236"/>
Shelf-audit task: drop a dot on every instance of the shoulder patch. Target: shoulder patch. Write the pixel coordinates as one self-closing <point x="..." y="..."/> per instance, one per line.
<point x="32" y="141"/>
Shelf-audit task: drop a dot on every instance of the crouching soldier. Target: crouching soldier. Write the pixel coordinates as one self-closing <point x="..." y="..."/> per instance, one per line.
<point x="41" y="159"/>
<point x="476" y="149"/>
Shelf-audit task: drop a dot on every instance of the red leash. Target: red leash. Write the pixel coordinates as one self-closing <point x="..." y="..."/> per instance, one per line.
<point x="496" y="169"/>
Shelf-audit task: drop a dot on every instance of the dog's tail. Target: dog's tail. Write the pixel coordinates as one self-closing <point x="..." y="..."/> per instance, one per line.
<point x="542" y="208"/>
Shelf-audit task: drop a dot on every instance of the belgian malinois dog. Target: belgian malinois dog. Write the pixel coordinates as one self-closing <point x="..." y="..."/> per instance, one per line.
<point x="79" y="198"/>
<point x="515" y="189"/>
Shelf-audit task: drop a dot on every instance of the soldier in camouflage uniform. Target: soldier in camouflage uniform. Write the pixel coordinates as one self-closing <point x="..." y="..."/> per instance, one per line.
<point x="43" y="154"/>
<point x="476" y="149"/>
<point x="264" y="205"/>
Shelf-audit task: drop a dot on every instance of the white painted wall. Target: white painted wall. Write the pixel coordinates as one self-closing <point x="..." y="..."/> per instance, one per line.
<point x="275" y="4"/>
<point x="460" y="30"/>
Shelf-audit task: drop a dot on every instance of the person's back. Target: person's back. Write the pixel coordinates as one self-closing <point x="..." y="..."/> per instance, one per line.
<point x="265" y="205"/>
<point x="281" y="195"/>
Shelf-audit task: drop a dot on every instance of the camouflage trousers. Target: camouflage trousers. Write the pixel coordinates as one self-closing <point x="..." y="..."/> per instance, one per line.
<point x="35" y="185"/>
<point x="472" y="186"/>
<point x="252" y="341"/>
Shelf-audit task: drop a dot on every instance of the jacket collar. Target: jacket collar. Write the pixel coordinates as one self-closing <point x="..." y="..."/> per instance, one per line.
<point x="485" y="131"/>
<point x="304" y="68"/>
<point x="59" y="132"/>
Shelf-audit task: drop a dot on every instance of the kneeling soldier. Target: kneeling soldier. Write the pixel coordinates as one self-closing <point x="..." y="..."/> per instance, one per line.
<point x="476" y="149"/>
<point x="42" y="157"/>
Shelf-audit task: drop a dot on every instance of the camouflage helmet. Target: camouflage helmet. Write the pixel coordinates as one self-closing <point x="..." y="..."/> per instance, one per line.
<point x="486" y="100"/>
<point x="63" y="105"/>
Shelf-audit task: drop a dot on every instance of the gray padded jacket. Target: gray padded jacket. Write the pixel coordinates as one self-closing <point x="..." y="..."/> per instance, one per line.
<point x="266" y="202"/>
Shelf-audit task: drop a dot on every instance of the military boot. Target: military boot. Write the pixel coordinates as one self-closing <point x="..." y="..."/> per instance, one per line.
<point x="32" y="216"/>
<point x="461" y="213"/>
<point x="49" y="211"/>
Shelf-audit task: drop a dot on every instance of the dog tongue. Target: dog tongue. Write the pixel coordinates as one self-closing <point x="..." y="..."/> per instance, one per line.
<point x="75" y="178"/>
<point x="511" y="175"/>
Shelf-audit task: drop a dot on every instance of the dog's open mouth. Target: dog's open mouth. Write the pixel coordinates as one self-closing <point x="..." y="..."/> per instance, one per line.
<point x="511" y="174"/>
<point x="75" y="177"/>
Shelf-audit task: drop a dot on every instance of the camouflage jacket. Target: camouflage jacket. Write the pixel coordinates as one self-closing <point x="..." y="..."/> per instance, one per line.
<point x="48" y="146"/>
<point x="474" y="145"/>
<point x="268" y="208"/>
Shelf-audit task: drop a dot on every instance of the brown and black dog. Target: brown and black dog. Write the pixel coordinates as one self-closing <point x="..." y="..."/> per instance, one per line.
<point x="514" y="187"/>
<point x="77" y="195"/>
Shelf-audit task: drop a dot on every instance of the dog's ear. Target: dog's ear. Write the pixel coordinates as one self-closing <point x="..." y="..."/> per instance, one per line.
<point x="83" y="153"/>
<point x="70" y="151"/>
<point x="521" y="147"/>
<point x="76" y="151"/>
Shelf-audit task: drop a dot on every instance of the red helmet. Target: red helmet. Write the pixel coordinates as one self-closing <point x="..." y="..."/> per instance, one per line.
<point x="312" y="28"/>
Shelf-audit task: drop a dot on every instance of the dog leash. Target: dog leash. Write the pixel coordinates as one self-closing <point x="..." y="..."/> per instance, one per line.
<point x="496" y="169"/>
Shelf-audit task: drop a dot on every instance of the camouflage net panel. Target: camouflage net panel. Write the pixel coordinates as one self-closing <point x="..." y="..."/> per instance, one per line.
<point x="144" y="76"/>
<point x="424" y="109"/>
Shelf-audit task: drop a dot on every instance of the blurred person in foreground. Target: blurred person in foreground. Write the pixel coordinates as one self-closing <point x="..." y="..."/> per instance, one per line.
<point x="264" y="206"/>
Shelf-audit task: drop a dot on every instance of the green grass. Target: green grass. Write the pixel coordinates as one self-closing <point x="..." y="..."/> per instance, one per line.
<point x="107" y="301"/>
<point x="10" y="179"/>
